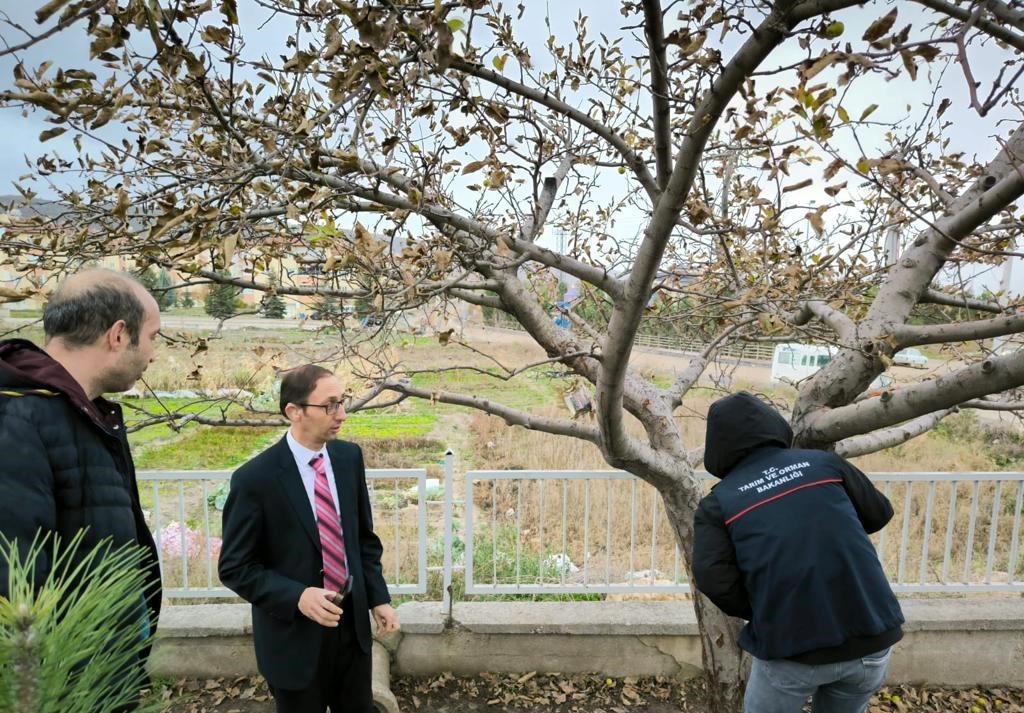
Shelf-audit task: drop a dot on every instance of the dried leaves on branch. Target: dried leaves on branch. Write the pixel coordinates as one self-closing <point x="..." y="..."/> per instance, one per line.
<point x="724" y="172"/>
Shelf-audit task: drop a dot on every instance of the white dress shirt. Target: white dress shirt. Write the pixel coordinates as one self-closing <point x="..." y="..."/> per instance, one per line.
<point x="302" y="457"/>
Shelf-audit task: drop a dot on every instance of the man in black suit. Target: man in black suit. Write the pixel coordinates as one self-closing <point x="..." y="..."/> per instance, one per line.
<point x="299" y="545"/>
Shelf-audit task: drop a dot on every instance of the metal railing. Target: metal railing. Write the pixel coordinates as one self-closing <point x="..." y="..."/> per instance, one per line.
<point x="602" y="533"/>
<point x="563" y="532"/>
<point x="182" y="510"/>
<point x="605" y="532"/>
<point x="750" y="351"/>
<point x="952" y="532"/>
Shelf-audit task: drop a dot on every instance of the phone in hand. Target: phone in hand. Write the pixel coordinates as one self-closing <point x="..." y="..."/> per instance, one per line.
<point x="340" y="596"/>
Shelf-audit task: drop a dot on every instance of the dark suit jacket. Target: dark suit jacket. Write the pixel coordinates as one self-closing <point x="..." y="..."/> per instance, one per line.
<point x="271" y="553"/>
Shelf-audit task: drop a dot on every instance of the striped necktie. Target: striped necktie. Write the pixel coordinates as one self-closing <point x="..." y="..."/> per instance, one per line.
<point x="332" y="541"/>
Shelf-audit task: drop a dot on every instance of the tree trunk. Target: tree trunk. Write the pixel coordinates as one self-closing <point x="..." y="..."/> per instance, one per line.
<point x="726" y="666"/>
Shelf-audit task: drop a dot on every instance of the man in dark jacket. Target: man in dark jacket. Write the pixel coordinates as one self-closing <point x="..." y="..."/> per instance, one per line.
<point x="299" y="544"/>
<point x="66" y="465"/>
<point x="782" y="541"/>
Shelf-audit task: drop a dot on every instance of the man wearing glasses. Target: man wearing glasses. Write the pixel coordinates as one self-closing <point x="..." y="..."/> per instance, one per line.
<point x="299" y="545"/>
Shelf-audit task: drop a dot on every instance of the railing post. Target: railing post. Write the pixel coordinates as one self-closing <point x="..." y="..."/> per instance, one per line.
<point x="449" y="514"/>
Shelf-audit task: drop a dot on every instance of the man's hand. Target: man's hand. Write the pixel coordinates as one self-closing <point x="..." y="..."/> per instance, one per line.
<point x="315" y="603"/>
<point x="386" y="618"/>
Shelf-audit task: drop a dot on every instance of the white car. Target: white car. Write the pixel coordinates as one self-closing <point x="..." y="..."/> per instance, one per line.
<point x="910" y="357"/>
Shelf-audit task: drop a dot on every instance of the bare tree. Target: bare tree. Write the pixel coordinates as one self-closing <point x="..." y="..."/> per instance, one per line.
<point x="425" y="153"/>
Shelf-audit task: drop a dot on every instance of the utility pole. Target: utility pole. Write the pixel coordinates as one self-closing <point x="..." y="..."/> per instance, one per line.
<point x="891" y="247"/>
<point x="1004" y="291"/>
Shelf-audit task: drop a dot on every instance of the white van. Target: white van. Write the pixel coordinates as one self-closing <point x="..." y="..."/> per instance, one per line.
<point x="793" y="362"/>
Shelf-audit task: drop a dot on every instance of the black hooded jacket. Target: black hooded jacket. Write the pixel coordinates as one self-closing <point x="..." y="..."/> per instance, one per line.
<point x="782" y="541"/>
<point x="66" y="465"/>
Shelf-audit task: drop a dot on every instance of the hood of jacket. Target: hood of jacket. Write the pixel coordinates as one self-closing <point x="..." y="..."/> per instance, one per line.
<point x="24" y="366"/>
<point x="738" y="425"/>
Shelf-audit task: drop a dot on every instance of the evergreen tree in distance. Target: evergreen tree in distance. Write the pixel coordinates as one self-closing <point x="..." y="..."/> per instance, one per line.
<point x="220" y="300"/>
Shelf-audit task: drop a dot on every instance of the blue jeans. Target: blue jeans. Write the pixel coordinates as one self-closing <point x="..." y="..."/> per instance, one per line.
<point x="782" y="686"/>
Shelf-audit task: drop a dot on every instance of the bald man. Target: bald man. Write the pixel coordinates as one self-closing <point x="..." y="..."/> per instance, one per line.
<point x="66" y="467"/>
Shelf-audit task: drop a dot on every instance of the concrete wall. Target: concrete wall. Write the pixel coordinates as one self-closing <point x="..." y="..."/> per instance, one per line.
<point x="948" y="641"/>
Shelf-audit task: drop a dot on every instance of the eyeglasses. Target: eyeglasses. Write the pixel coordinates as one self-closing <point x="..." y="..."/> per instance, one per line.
<point x="330" y="408"/>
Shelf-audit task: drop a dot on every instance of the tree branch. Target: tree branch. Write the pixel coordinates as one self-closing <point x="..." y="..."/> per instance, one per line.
<point x="994" y="29"/>
<point x="698" y="364"/>
<point x="588" y="273"/>
<point x="474" y="298"/>
<point x="941" y="193"/>
<point x="177" y="420"/>
<point x="941" y="298"/>
<point x="1005" y="14"/>
<point x="999" y="185"/>
<point x="634" y="161"/>
<point x="843" y="326"/>
<point x="511" y="416"/>
<point x="992" y="375"/>
<point x="815" y="8"/>
<point x="625" y="318"/>
<point x="911" y="335"/>
<point x="654" y="29"/>
<point x="695" y="455"/>
<point x="988" y="404"/>
<point x="880" y="440"/>
<point x="547" y="198"/>
<point x="62" y="25"/>
<point x="204" y="87"/>
<point x="965" y="63"/>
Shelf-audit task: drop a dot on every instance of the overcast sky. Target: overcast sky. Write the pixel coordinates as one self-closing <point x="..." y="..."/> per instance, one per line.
<point x="971" y="134"/>
<point x="70" y="49"/>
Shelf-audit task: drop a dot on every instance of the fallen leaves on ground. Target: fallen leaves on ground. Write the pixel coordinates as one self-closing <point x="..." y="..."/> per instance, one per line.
<point x="936" y="700"/>
<point x="554" y="693"/>
<point x="520" y="693"/>
<point x="244" y="694"/>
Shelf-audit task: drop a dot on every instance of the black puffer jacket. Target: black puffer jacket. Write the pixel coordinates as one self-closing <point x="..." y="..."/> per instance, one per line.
<point x="66" y="464"/>
<point x="782" y="541"/>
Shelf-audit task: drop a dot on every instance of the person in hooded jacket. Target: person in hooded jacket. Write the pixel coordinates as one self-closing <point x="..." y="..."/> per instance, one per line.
<point x="782" y="541"/>
<point x="67" y="469"/>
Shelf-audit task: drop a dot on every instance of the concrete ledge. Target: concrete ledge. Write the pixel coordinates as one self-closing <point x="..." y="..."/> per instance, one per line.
<point x="212" y="656"/>
<point x="614" y="638"/>
<point x="200" y="621"/>
<point x="421" y="618"/>
<point x="948" y="641"/>
<point x="633" y="618"/>
<point x="1002" y="614"/>
<point x="961" y="642"/>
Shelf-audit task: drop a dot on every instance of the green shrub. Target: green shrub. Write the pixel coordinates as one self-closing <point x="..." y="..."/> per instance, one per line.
<point x="59" y="651"/>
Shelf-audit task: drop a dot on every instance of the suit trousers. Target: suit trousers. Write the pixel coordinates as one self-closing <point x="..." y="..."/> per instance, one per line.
<point x="343" y="678"/>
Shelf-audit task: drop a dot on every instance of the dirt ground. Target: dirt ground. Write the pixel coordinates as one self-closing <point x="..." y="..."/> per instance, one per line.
<point x="554" y="693"/>
<point x="662" y="361"/>
<point x="729" y="374"/>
